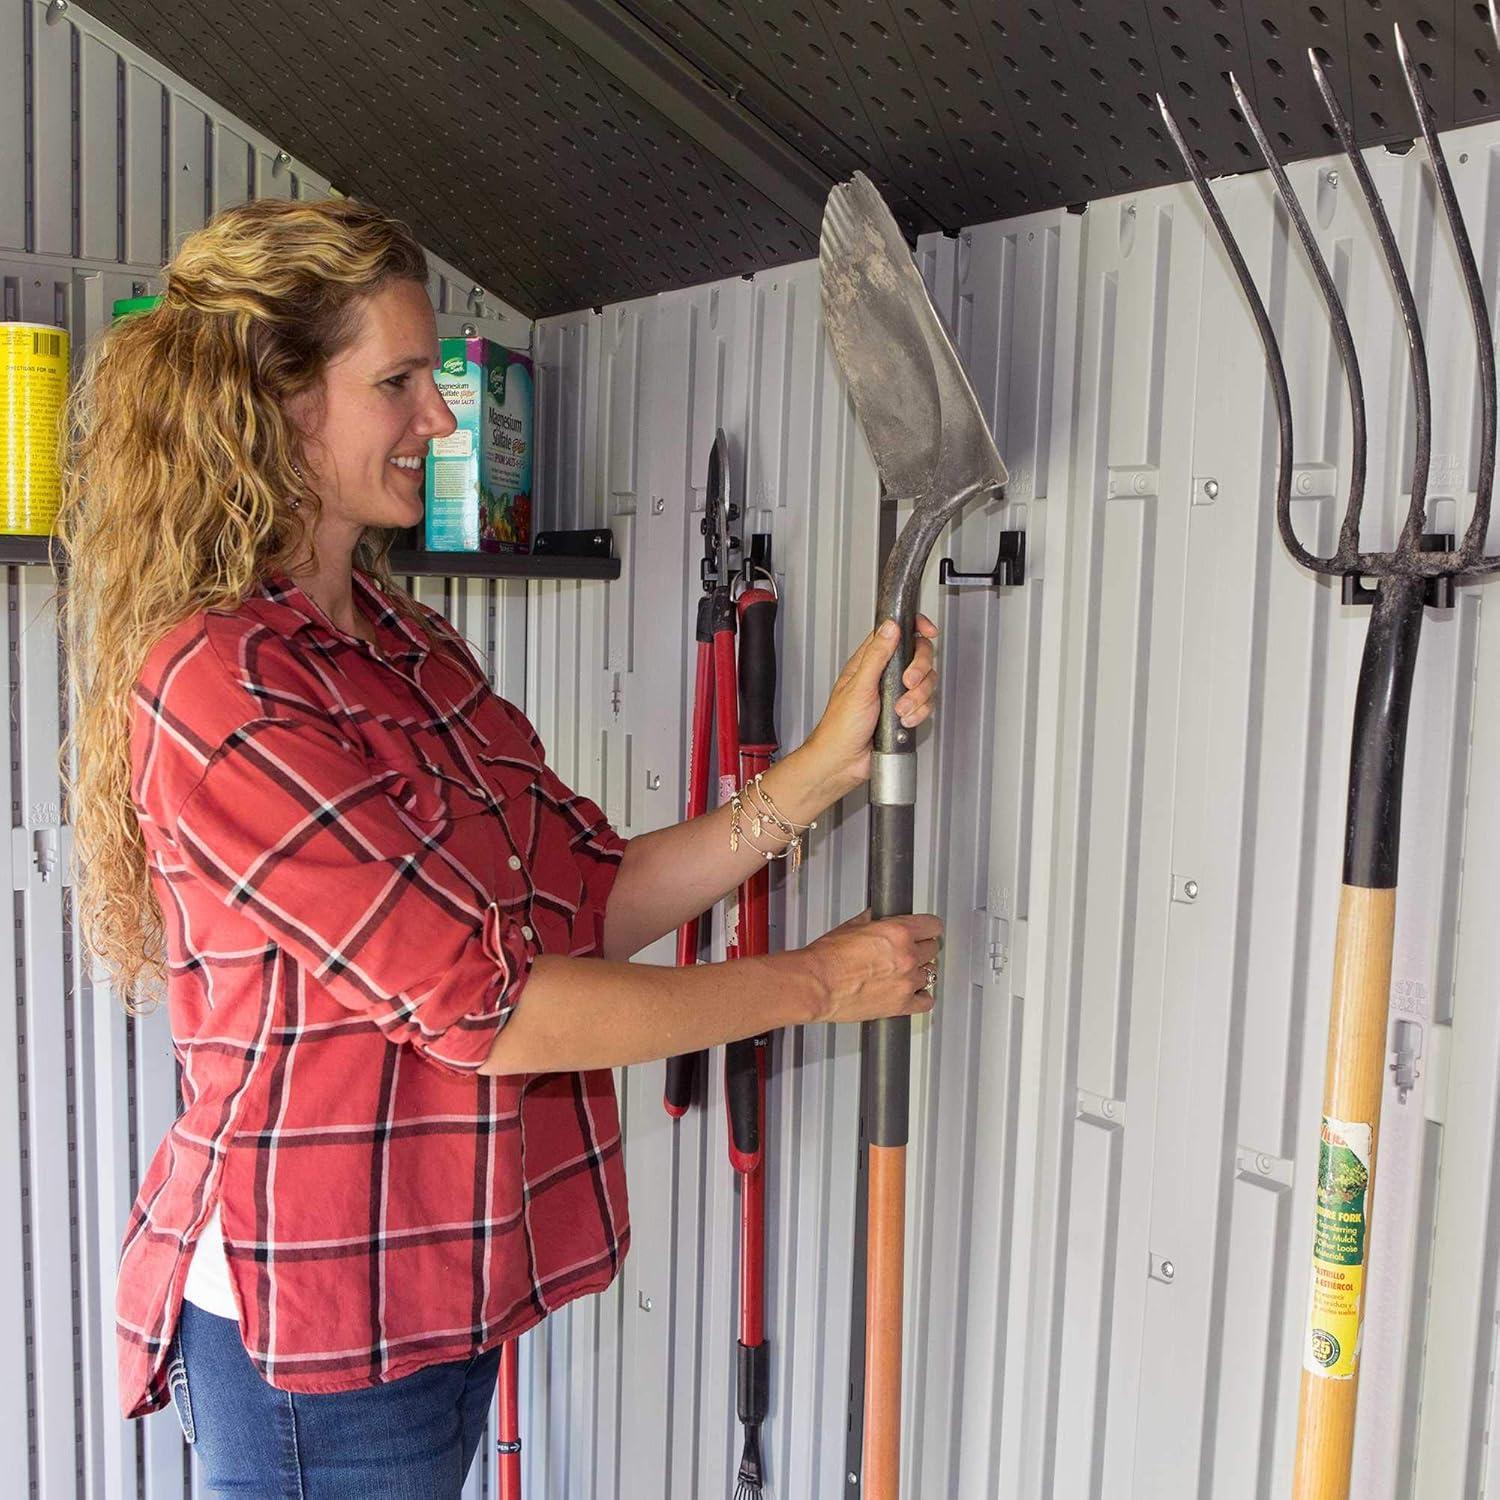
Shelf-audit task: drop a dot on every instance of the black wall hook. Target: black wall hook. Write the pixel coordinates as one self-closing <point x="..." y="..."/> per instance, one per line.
<point x="1009" y="569"/>
<point x="1439" y="593"/>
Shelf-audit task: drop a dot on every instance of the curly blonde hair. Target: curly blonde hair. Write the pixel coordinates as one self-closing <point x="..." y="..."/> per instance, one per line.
<point x="178" y="493"/>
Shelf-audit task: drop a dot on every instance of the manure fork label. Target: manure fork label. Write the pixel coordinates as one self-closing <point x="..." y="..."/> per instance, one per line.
<point x="1339" y="1236"/>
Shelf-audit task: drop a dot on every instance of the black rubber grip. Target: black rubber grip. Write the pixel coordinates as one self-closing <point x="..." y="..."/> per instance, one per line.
<point x="704" y="633"/>
<point x="753" y="1386"/>
<point x="757" y="668"/>
<point x="681" y="1076"/>
<point x="742" y="1097"/>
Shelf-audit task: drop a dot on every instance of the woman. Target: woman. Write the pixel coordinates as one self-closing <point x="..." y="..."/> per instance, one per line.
<point x="392" y="942"/>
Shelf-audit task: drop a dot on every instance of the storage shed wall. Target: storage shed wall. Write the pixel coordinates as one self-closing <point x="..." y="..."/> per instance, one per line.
<point x="1120" y="1079"/>
<point x="1131" y="819"/>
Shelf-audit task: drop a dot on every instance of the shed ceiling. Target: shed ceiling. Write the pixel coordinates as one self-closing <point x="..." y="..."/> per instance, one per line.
<point x="570" y="153"/>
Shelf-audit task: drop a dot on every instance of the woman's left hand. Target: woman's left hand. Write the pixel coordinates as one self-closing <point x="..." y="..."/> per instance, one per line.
<point x="841" y="742"/>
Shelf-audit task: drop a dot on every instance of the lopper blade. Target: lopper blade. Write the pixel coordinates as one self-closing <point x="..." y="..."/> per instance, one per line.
<point x="919" y="414"/>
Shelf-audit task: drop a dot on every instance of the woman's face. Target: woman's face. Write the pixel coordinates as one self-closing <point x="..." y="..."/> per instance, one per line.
<point x="365" y="431"/>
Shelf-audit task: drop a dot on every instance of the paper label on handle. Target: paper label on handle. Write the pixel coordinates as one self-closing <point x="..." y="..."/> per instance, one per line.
<point x="1340" y="1237"/>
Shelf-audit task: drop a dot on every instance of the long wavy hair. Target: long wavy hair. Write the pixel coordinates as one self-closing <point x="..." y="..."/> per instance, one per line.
<point x="178" y="496"/>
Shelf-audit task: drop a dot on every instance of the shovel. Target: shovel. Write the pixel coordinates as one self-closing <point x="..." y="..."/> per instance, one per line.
<point x="933" y="449"/>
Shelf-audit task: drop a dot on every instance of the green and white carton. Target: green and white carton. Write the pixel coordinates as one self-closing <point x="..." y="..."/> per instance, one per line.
<point x="479" y="476"/>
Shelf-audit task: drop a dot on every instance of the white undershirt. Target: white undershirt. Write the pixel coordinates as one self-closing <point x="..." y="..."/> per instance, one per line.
<point x="208" y="1284"/>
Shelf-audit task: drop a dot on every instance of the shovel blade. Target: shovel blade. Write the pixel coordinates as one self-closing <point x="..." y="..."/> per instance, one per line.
<point x="920" y="417"/>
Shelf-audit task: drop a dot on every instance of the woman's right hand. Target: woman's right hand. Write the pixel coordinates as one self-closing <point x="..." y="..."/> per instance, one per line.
<point x="869" y="970"/>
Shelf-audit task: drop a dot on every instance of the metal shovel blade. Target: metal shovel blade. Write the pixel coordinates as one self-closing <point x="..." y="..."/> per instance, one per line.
<point x="918" y="411"/>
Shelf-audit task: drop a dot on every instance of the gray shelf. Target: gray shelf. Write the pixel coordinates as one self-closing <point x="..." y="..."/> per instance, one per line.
<point x="33" y="550"/>
<point x="501" y="565"/>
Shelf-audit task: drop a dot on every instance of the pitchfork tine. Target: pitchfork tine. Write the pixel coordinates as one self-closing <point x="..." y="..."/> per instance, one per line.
<point x="1275" y="369"/>
<point x="1416" y="515"/>
<point x="1338" y="319"/>
<point x="1473" y="542"/>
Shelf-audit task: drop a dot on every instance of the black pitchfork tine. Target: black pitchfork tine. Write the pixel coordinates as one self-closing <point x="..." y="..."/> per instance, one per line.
<point x="1473" y="542"/>
<point x="1408" y="557"/>
<point x="1416" y="348"/>
<point x="1353" y="1087"/>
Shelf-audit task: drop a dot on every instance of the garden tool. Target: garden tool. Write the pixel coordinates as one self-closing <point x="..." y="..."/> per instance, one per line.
<point x="1419" y="571"/>
<point x="508" y="1434"/>
<point x="933" y="450"/>
<point x="715" y="707"/>
<point x="745" y="1061"/>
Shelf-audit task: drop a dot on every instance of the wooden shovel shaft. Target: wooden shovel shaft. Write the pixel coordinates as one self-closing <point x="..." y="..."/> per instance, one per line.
<point x="1344" y="1168"/>
<point x="884" y="1302"/>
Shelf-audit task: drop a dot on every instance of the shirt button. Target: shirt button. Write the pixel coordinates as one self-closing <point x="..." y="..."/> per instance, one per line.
<point x="527" y="933"/>
<point x="514" y="861"/>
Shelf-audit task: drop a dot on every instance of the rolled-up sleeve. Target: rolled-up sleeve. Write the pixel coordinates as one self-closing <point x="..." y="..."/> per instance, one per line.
<point x="293" y="828"/>
<point x="595" y="846"/>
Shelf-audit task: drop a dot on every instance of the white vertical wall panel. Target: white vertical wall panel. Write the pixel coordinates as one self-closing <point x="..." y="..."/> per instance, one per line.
<point x="1110" y="1207"/>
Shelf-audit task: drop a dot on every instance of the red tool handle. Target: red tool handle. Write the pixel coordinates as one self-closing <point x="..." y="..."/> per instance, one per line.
<point x="508" y="1447"/>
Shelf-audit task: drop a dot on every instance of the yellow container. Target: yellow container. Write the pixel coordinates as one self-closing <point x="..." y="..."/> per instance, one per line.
<point x="33" y="393"/>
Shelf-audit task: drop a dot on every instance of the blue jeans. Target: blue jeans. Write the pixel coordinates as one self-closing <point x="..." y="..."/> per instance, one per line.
<point x="410" y="1439"/>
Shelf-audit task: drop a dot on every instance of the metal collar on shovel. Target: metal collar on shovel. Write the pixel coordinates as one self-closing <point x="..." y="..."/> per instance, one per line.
<point x="932" y="447"/>
<point x="1420" y="570"/>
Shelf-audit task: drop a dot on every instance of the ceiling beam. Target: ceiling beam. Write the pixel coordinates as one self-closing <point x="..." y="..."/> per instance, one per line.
<point x="645" y="63"/>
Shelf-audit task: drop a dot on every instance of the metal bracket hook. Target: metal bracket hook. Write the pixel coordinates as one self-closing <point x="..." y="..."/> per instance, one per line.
<point x="1009" y="569"/>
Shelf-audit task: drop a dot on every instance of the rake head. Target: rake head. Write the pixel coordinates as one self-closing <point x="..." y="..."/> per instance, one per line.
<point x="1414" y="556"/>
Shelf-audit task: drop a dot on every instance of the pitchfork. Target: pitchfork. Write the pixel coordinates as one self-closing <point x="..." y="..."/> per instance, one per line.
<point x="1420" y="570"/>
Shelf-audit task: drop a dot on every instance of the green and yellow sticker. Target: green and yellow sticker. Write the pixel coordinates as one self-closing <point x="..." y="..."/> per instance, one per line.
<point x="1340" y="1237"/>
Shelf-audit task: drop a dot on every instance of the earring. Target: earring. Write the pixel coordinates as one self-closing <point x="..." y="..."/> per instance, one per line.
<point x="296" y="503"/>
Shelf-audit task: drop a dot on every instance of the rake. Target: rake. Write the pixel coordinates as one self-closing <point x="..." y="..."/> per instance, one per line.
<point x="1420" y="570"/>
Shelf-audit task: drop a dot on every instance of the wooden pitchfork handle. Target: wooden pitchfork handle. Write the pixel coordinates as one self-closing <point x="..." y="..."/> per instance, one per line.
<point x="1355" y="1077"/>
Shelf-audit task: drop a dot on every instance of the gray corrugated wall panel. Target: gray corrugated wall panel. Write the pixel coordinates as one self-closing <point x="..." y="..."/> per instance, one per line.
<point x="1167" y="700"/>
<point x="44" y="1010"/>
<point x="145" y="184"/>
<point x="13" y="126"/>
<point x="99" y="149"/>
<point x="16" y="1423"/>
<point x="51" y="132"/>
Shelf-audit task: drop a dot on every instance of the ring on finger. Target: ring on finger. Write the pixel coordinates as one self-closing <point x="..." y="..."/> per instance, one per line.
<point x="930" y="969"/>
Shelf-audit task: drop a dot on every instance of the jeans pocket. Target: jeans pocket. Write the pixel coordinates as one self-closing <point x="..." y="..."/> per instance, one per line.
<point x="182" y="1400"/>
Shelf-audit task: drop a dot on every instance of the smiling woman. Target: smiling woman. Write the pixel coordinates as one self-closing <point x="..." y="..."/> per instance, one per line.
<point x="391" y="940"/>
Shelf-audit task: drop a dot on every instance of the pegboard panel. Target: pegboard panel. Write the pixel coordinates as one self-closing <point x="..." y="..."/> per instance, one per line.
<point x="1001" y="107"/>
<point x="515" y="152"/>
<point x="508" y="150"/>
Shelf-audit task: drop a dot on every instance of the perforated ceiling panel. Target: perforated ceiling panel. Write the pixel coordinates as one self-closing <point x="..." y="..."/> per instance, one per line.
<point x="576" y="152"/>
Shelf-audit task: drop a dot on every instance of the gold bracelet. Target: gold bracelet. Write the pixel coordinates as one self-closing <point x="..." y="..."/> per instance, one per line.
<point x="740" y="803"/>
<point x="776" y="814"/>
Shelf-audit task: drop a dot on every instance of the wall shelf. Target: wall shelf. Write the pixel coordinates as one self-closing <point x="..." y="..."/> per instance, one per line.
<point x="501" y="565"/>
<point x="25" y="549"/>
<point x="33" y="550"/>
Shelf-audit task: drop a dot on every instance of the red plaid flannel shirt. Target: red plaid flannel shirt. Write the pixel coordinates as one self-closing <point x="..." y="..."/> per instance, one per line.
<point x="357" y="858"/>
